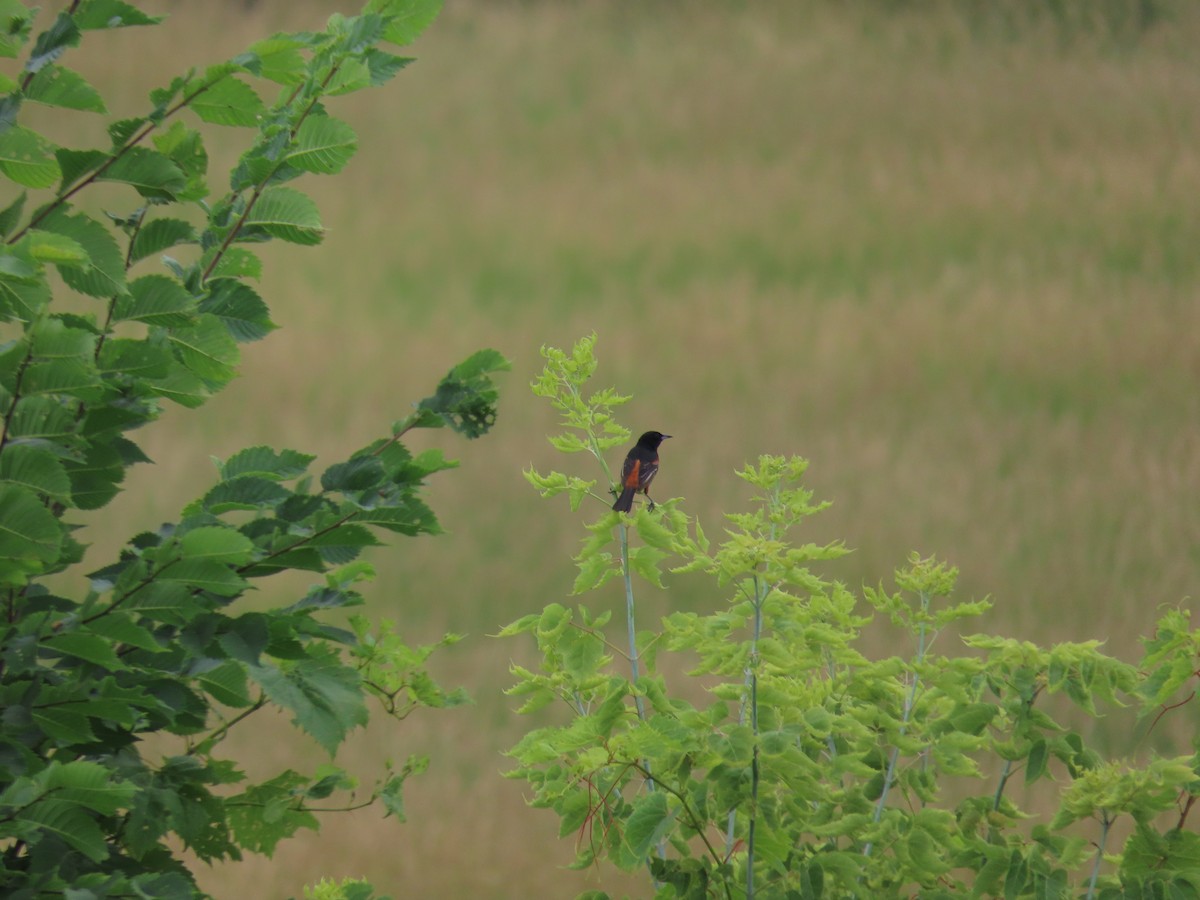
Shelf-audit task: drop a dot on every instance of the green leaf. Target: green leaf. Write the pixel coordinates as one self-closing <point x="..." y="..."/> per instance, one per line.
<point x="324" y="695"/>
<point x="53" y="42"/>
<point x="279" y="59"/>
<point x="88" y="647"/>
<point x="95" y="479"/>
<point x="74" y="164"/>
<point x="28" y="158"/>
<point x="73" y="377"/>
<point x="98" y="14"/>
<point x="267" y="813"/>
<point x="149" y="172"/>
<point x="406" y="18"/>
<point x="646" y="825"/>
<point x="204" y="575"/>
<point x="235" y="262"/>
<point x="217" y="543"/>
<point x="240" y="308"/>
<point x="64" y="724"/>
<point x="56" y="249"/>
<point x="206" y="348"/>
<point x="156" y="300"/>
<point x="246" y="492"/>
<point x="58" y="86"/>
<point x="466" y="398"/>
<point x="182" y="387"/>
<point x="35" y="468"/>
<point x="184" y="146"/>
<point x="227" y="101"/>
<point x="266" y="463"/>
<point x="227" y="684"/>
<point x="288" y="215"/>
<point x="105" y="277"/>
<point x="135" y="358"/>
<point x="160" y="234"/>
<point x="645" y="562"/>
<point x="29" y="532"/>
<point x="120" y="628"/>
<point x="15" y="33"/>
<point x="68" y="822"/>
<point x="11" y="215"/>
<point x="89" y="784"/>
<point x="323" y="145"/>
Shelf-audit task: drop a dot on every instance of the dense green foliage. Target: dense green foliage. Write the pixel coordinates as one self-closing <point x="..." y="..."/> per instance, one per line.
<point x="165" y="640"/>
<point x="812" y="769"/>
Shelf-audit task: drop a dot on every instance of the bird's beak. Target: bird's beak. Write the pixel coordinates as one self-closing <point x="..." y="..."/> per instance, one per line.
<point x="665" y="436"/>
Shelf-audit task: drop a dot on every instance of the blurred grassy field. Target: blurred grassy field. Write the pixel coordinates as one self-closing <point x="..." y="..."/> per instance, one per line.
<point x="951" y="257"/>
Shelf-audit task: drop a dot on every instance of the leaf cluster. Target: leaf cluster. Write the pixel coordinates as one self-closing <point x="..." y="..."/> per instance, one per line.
<point x="790" y="761"/>
<point x="164" y="642"/>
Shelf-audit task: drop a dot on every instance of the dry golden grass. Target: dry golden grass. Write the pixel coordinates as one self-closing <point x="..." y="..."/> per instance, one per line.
<point x="954" y="268"/>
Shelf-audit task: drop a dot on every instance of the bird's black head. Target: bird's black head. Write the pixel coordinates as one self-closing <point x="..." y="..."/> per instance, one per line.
<point x="652" y="439"/>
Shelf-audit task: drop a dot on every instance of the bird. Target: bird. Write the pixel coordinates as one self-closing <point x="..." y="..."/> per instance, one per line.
<point x="641" y="465"/>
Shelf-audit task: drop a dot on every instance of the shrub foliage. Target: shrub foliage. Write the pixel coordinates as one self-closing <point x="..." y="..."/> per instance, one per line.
<point x="813" y="768"/>
<point x="104" y="319"/>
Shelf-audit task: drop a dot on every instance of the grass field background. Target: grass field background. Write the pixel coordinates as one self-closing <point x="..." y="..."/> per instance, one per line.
<point x="948" y="252"/>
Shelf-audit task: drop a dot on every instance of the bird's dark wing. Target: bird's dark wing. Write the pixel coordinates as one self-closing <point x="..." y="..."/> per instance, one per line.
<point x="647" y="472"/>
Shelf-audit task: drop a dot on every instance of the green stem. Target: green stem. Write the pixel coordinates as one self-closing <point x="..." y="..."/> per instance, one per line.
<point x="909" y="703"/>
<point x="1105" y="825"/>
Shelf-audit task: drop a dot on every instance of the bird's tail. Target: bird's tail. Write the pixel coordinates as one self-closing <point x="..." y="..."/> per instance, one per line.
<point x="625" y="501"/>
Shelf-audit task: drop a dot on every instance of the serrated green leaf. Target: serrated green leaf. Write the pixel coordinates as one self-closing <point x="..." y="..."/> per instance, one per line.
<point x="65" y="724"/>
<point x="384" y="66"/>
<point x="206" y="348"/>
<point x="236" y="262"/>
<point x="156" y="300"/>
<point x="646" y="825"/>
<point x="160" y="234"/>
<point x="150" y="173"/>
<point x="217" y="543"/>
<point x="181" y="386"/>
<point x="54" y="339"/>
<point x="645" y="562"/>
<point x="324" y="696"/>
<point x="11" y="214"/>
<point x="323" y="145"/>
<point x="406" y="19"/>
<point x="240" y="308"/>
<point x="28" y="530"/>
<point x="105" y="277"/>
<point x="56" y="249"/>
<point x="59" y="86"/>
<point x="88" y="784"/>
<point x="288" y="215"/>
<point x="247" y="492"/>
<point x="227" y="101"/>
<point x="74" y="164"/>
<point x="68" y="822"/>
<point x="28" y="158"/>
<point x="266" y="463"/>
<point x="98" y="14"/>
<point x="279" y="59"/>
<point x="95" y="480"/>
<point x="71" y="377"/>
<point x="119" y="628"/>
<point x="16" y="18"/>
<point x="134" y="358"/>
<point x="227" y="684"/>
<point x="204" y="575"/>
<point x="88" y="647"/>
<point x="35" y="468"/>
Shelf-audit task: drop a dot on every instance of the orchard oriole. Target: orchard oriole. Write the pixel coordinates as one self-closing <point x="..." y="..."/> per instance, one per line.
<point x="641" y="465"/>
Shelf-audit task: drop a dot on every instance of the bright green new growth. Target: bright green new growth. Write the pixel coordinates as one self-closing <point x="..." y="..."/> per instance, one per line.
<point x="161" y="644"/>
<point x="812" y="769"/>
